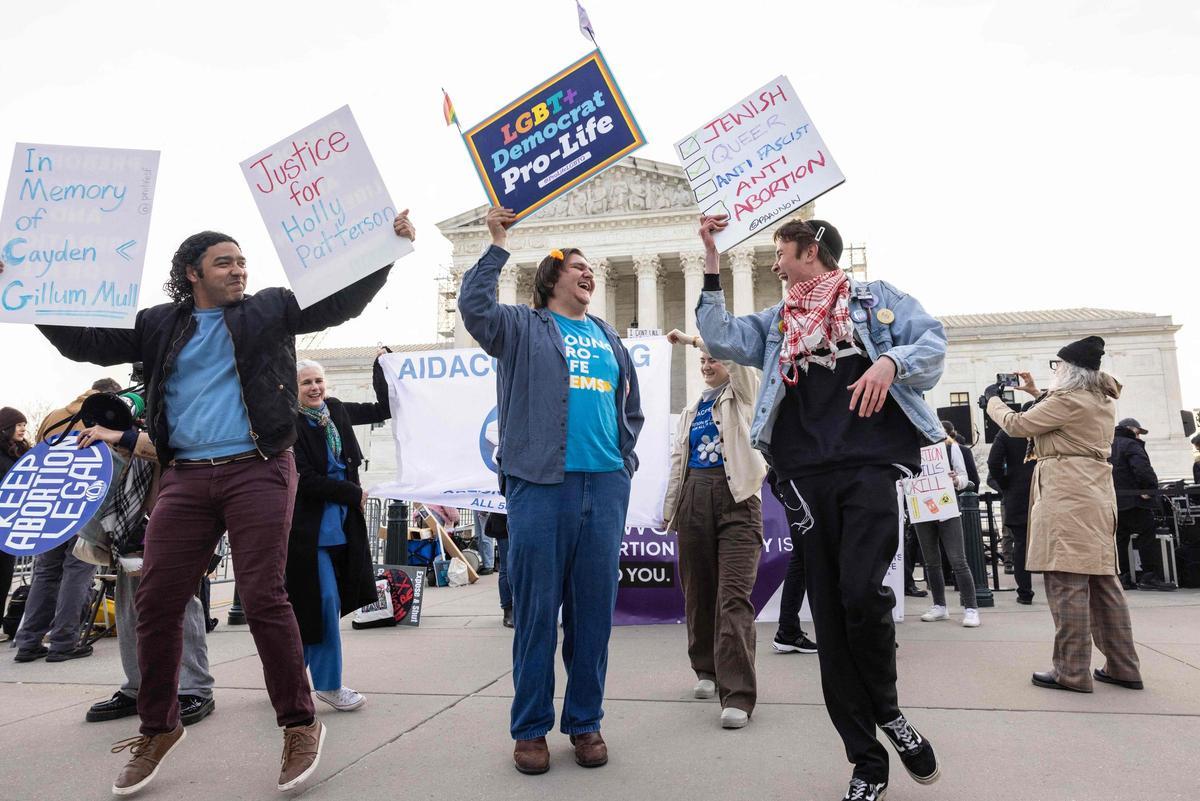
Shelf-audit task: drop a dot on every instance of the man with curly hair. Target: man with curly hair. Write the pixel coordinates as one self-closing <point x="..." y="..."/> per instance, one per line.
<point x="220" y="368"/>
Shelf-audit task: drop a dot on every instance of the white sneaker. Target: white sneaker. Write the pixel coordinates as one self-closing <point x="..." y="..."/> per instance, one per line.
<point x="733" y="718"/>
<point x="343" y="700"/>
<point x="971" y="618"/>
<point x="705" y="688"/>
<point x="936" y="613"/>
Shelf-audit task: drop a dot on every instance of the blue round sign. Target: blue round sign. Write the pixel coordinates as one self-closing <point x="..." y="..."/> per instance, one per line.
<point x="51" y="493"/>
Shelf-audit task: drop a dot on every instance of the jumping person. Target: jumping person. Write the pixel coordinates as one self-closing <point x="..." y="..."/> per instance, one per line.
<point x="841" y="419"/>
<point x="569" y="416"/>
<point x="221" y="405"/>
<point x="713" y="501"/>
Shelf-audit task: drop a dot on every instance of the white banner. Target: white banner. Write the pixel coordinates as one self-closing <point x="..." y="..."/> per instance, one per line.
<point x="325" y="207"/>
<point x="757" y="162"/>
<point x="73" y="234"/>
<point x="444" y="421"/>
<point x="931" y="496"/>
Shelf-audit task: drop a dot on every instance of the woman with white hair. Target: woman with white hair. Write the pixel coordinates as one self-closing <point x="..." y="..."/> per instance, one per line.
<point x="329" y="569"/>
<point x="1073" y="517"/>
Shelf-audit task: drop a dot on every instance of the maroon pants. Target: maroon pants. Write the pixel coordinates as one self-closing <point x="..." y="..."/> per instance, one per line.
<point x="253" y="500"/>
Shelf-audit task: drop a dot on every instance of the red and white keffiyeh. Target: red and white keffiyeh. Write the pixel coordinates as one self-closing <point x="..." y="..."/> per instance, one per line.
<point x="815" y="322"/>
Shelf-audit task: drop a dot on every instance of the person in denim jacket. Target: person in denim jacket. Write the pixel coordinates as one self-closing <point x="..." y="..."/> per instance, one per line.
<point x="841" y="418"/>
<point x="569" y="415"/>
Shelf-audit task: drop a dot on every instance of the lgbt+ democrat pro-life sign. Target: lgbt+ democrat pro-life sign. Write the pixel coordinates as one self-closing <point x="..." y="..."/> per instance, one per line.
<point x="325" y="206"/>
<point x="758" y="162"/>
<point x="554" y="137"/>
<point x="73" y="234"/>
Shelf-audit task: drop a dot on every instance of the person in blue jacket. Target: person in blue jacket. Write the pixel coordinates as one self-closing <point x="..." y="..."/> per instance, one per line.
<point x="569" y="417"/>
<point x="841" y="418"/>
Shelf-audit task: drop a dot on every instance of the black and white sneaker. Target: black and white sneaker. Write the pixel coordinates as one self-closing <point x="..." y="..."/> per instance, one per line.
<point x="793" y="645"/>
<point x="865" y="791"/>
<point x="915" y="751"/>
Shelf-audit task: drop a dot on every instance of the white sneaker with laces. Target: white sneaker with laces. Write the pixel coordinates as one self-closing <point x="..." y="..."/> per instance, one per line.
<point x="936" y="613"/>
<point x="971" y="618"/>
<point x="343" y="700"/>
<point x="705" y="688"/>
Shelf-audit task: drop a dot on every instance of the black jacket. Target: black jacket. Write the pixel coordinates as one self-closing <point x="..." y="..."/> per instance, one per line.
<point x="1132" y="473"/>
<point x="263" y="328"/>
<point x="352" y="564"/>
<point x="1009" y="473"/>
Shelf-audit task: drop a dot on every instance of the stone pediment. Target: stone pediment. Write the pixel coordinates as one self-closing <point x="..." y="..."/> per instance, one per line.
<point x="633" y="187"/>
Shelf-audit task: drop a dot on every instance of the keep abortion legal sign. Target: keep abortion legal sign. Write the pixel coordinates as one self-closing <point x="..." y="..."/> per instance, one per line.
<point x="325" y="206"/>
<point x="73" y="234"/>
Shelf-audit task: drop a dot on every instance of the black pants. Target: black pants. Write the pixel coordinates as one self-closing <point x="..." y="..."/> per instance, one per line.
<point x="1140" y="522"/>
<point x="791" y="598"/>
<point x="854" y="521"/>
<point x="1020" y="544"/>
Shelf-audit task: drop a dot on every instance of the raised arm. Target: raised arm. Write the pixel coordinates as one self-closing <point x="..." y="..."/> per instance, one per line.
<point x="381" y="409"/>
<point x="490" y="322"/>
<point x="103" y="346"/>
<point x="739" y="339"/>
<point x="1049" y="415"/>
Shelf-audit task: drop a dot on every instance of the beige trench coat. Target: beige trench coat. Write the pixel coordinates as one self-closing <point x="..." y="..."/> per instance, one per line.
<point x="1072" y="504"/>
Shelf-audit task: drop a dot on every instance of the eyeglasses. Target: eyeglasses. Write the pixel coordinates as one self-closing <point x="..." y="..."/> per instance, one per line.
<point x="1054" y="363"/>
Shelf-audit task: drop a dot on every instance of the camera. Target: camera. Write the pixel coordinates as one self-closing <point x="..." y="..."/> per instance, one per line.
<point x="1008" y="379"/>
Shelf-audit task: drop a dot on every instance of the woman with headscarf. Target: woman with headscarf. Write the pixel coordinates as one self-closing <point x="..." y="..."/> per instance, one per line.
<point x="1073" y="517"/>
<point x="13" y="446"/>
<point x="329" y="572"/>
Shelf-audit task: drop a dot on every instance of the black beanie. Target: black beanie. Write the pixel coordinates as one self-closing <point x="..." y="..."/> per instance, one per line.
<point x="9" y="417"/>
<point x="1084" y="353"/>
<point x="831" y="240"/>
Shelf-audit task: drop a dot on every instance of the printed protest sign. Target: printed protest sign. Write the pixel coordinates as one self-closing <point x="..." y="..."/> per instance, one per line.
<point x="50" y="493"/>
<point x="399" y="590"/>
<point x="758" y="162"/>
<point x="931" y="496"/>
<point x="554" y="137"/>
<point x="73" y="234"/>
<point x="325" y="207"/>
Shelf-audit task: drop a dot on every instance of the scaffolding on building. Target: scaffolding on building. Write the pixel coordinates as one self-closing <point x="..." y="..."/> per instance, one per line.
<point x="854" y="261"/>
<point x="447" y="300"/>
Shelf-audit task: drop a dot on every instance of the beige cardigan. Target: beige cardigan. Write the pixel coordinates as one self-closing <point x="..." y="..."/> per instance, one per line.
<point x="732" y="413"/>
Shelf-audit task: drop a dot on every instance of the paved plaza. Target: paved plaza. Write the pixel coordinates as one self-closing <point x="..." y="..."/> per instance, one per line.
<point x="436" y="721"/>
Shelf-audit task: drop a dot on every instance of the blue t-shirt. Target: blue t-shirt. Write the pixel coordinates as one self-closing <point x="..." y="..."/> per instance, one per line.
<point x="592" y="443"/>
<point x="706" y="449"/>
<point x="205" y="411"/>
<point x="333" y="517"/>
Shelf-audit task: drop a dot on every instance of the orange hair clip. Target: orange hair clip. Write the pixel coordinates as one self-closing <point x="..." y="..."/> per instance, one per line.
<point x="556" y="253"/>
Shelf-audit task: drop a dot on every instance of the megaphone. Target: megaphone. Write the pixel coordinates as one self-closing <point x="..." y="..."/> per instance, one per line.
<point x="108" y="410"/>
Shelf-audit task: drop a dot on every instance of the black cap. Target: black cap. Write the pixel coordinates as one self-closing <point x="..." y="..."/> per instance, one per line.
<point x="831" y="240"/>
<point x="1132" y="425"/>
<point x="1084" y="353"/>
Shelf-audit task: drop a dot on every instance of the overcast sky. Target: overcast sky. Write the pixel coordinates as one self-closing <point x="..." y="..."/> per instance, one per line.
<point x="999" y="156"/>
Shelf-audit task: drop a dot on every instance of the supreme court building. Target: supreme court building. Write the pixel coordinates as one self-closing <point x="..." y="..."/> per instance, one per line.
<point x="637" y="225"/>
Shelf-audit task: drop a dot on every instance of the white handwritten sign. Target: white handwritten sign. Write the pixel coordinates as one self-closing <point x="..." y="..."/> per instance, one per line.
<point x="73" y="234"/>
<point x="930" y="496"/>
<point x="758" y="162"/>
<point x="325" y="207"/>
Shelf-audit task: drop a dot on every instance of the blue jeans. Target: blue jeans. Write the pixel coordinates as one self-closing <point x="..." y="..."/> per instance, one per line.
<point x="502" y="570"/>
<point x="324" y="659"/>
<point x="563" y="548"/>
<point x="485" y="545"/>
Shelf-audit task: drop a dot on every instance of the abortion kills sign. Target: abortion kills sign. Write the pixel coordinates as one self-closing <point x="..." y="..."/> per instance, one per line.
<point x="50" y="493"/>
<point x="931" y="495"/>
<point x="325" y="207"/>
<point x="73" y="234"/>
<point x="554" y="137"/>
<point x="757" y="162"/>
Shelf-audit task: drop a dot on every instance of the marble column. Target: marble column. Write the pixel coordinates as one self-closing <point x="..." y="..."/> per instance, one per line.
<point x="509" y="276"/>
<point x="693" y="283"/>
<point x="599" y="304"/>
<point x="741" y="262"/>
<point x="649" y="270"/>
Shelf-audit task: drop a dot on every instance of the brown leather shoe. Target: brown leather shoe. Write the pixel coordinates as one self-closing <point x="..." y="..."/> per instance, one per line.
<point x="146" y="753"/>
<point x="590" y="750"/>
<point x="531" y="756"/>
<point x="301" y="753"/>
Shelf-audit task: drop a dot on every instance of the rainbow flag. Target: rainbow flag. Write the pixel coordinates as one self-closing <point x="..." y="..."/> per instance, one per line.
<point x="448" y="109"/>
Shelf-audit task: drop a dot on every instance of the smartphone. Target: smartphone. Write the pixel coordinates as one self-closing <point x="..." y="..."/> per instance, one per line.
<point x="1008" y="379"/>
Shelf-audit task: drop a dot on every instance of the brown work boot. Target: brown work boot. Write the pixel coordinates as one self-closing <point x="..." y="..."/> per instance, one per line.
<point x="590" y="750"/>
<point x="531" y="756"/>
<point x="301" y="753"/>
<point x="147" y="752"/>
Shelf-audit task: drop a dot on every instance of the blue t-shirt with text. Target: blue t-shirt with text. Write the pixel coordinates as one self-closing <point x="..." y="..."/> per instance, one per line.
<point x="592" y="442"/>
<point x="706" y="449"/>
<point x="205" y="411"/>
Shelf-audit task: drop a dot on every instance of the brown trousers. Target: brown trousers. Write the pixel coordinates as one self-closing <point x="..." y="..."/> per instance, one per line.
<point x="719" y="545"/>
<point x="1084" y="605"/>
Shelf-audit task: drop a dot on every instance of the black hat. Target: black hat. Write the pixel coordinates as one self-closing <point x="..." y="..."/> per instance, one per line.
<point x="831" y="240"/>
<point x="10" y="417"/>
<point x="1084" y="353"/>
<point x="1132" y="425"/>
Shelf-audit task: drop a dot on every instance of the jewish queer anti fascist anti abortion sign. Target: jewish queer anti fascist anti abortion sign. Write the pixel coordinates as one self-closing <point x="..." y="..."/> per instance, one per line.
<point x="554" y="137"/>
<point x="758" y="162"/>
<point x="50" y="493"/>
<point x="325" y="207"/>
<point x="931" y="496"/>
<point x="73" y="234"/>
